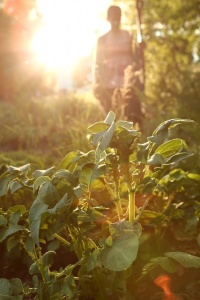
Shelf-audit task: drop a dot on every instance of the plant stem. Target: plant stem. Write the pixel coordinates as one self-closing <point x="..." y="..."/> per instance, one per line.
<point x="117" y="195"/>
<point x="61" y="239"/>
<point x="69" y="269"/>
<point x="131" y="196"/>
<point x="131" y="206"/>
<point x="39" y="263"/>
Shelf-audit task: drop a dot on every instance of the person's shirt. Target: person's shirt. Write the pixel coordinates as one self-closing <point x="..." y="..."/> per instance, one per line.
<point x="113" y="55"/>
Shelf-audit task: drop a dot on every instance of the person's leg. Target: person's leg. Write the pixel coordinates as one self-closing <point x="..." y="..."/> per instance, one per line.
<point x="104" y="95"/>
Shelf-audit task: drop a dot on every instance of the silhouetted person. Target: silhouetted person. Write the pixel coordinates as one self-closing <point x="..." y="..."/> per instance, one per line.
<point x="113" y="55"/>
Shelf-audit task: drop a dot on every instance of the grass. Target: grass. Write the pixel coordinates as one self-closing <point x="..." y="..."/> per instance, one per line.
<point x="47" y="128"/>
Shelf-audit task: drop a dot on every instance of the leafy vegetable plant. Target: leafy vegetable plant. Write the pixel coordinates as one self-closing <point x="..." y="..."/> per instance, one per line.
<point x="95" y="210"/>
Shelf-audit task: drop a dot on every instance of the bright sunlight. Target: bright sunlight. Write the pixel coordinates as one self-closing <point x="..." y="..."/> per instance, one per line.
<point x="69" y="31"/>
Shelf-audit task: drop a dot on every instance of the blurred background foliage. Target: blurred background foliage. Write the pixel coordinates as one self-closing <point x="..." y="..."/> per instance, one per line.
<point x="38" y="120"/>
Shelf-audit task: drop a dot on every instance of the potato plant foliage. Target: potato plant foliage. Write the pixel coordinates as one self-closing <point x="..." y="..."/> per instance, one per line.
<point x="99" y="207"/>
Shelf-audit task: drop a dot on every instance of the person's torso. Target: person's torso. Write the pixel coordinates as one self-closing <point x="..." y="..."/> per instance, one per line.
<point x="117" y="56"/>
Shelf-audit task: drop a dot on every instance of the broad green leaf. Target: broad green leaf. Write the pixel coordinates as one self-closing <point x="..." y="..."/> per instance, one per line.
<point x="121" y="254"/>
<point x="107" y="137"/>
<point x="16" y="286"/>
<point x="110" y="118"/>
<point x="148" y="267"/>
<point x="89" y="175"/>
<point x="176" y="175"/>
<point x="98" y="127"/>
<point x="29" y="244"/>
<point x="64" y="202"/>
<point x="39" y="182"/>
<point x="171" y="123"/>
<point x="20" y="208"/>
<point x="15" y="186"/>
<point x="184" y="259"/>
<point x="4" y="183"/>
<point x="41" y="173"/>
<point x="71" y="178"/>
<point x="93" y="260"/>
<point x="3" y="221"/>
<point x="171" y="147"/>
<point x="124" y="124"/>
<point x="48" y="194"/>
<point x="35" y="229"/>
<point x="97" y="185"/>
<point x="194" y="176"/>
<point x="143" y="151"/>
<point x="161" y="132"/>
<point x="105" y="141"/>
<point x="68" y="286"/>
<point x="166" y="263"/>
<point x="12" y="242"/>
<point x="96" y="138"/>
<point x="159" y="138"/>
<point x="127" y="136"/>
<point x="34" y="270"/>
<point x="109" y="241"/>
<point x="14" y="218"/>
<point x="9" y="290"/>
<point x="23" y="169"/>
<point x="178" y="157"/>
<point x="156" y="159"/>
<point x="36" y="211"/>
<point x="4" y="233"/>
<point x="68" y="160"/>
<point x="48" y="258"/>
<point x="5" y="287"/>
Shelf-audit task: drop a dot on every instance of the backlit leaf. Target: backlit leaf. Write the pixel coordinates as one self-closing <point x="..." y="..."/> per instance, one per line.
<point x="185" y="259"/>
<point x="4" y="233"/>
<point x="97" y="127"/>
<point x="23" y="169"/>
<point x="121" y="254"/>
<point x="40" y="181"/>
<point x="171" y="147"/>
<point x="171" y="123"/>
<point x="40" y="173"/>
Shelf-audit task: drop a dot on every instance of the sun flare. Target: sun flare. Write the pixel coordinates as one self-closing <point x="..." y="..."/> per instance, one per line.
<point x="69" y="31"/>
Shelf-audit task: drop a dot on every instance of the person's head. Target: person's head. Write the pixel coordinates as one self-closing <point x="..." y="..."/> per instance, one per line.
<point x="114" y="16"/>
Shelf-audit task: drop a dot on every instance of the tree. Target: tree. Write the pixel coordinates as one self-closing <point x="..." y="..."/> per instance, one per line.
<point x="18" y="71"/>
<point x="170" y="31"/>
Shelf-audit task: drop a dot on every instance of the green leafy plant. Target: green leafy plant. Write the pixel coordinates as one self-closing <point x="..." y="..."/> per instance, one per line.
<point x="96" y="210"/>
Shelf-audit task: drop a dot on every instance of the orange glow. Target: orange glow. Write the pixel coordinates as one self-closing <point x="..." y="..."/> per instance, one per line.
<point x="163" y="282"/>
<point x="69" y="31"/>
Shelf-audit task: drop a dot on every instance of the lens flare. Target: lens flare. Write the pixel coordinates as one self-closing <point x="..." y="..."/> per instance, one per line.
<point x="163" y="282"/>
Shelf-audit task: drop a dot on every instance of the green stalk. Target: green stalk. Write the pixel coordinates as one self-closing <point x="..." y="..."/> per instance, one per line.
<point x="61" y="239"/>
<point x="131" y="196"/>
<point x="67" y="270"/>
<point x="117" y="195"/>
<point x="131" y="206"/>
<point x="40" y="263"/>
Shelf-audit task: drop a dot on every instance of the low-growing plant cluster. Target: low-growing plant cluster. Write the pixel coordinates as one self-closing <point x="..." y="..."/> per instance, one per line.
<point x="118" y="222"/>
